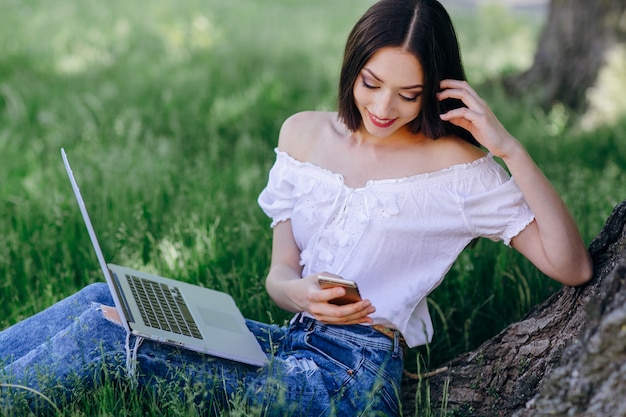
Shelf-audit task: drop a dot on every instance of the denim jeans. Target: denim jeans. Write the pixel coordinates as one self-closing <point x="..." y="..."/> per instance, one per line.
<point x="314" y="369"/>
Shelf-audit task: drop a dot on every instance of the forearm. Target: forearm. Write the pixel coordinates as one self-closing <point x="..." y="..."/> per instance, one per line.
<point x="285" y="275"/>
<point x="566" y="257"/>
<point x="279" y="285"/>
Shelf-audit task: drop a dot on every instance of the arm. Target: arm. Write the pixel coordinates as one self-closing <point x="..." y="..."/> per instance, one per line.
<point x="552" y="242"/>
<point x="296" y="294"/>
<point x="283" y="279"/>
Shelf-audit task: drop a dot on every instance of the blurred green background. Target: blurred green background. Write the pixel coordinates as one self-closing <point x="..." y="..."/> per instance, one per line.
<point x="169" y="112"/>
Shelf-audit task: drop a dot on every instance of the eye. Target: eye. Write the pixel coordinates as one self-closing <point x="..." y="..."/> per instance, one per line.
<point x="410" y="99"/>
<point x="366" y="85"/>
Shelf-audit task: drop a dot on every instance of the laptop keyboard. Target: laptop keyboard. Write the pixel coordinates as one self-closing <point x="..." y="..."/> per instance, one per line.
<point x="163" y="307"/>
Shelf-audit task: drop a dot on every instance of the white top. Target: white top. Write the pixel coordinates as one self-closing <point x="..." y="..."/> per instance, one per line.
<point x="396" y="238"/>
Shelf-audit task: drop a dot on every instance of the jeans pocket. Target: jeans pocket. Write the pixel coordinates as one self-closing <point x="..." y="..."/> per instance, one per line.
<point x="337" y="359"/>
<point x="384" y="387"/>
<point x="356" y="384"/>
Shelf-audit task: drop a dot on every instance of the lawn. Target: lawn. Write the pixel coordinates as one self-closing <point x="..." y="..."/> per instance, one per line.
<point x="170" y="111"/>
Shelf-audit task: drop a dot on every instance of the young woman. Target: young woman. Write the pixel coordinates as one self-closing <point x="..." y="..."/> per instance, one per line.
<point x="386" y="192"/>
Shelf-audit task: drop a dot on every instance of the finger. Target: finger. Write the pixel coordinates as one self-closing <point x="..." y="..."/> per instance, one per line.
<point x="462" y="117"/>
<point x="457" y="85"/>
<point x="460" y="90"/>
<point x="347" y="314"/>
<point x="453" y="83"/>
<point x="344" y="321"/>
<point x="331" y="293"/>
<point x="458" y="113"/>
<point x="348" y="311"/>
<point x="470" y="100"/>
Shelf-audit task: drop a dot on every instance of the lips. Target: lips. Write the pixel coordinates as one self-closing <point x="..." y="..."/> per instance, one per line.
<point x="381" y="123"/>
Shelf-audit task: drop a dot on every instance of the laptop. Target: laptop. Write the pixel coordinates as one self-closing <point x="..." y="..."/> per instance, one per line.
<point x="174" y="312"/>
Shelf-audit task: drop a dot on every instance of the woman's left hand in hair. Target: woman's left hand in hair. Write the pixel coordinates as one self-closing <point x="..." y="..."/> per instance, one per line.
<point x="477" y="118"/>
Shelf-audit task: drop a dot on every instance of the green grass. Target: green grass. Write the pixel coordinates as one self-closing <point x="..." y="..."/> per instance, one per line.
<point x="176" y="106"/>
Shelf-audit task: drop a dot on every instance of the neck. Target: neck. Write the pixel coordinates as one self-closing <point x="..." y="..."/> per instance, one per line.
<point x="399" y="139"/>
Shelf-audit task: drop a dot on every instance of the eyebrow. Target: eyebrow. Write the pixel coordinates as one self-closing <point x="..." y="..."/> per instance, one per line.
<point x="410" y="87"/>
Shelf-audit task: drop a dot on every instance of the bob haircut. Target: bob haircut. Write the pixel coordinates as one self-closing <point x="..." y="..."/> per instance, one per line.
<point x="422" y="28"/>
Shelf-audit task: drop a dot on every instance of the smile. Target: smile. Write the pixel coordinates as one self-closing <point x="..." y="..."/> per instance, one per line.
<point x="382" y="123"/>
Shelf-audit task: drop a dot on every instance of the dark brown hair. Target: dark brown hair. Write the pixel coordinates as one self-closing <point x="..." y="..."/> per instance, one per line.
<point x="423" y="28"/>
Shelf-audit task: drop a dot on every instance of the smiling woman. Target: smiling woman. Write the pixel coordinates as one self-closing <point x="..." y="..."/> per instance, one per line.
<point x="384" y="105"/>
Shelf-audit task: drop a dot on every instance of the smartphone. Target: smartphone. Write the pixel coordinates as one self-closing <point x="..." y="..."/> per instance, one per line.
<point x="327" y="280"/>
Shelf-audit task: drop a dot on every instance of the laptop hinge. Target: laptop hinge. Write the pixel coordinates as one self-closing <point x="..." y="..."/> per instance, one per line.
<point x="121" y="297"/>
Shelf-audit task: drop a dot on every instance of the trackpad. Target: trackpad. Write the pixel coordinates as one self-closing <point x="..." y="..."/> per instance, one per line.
<point x="220" y="320"/>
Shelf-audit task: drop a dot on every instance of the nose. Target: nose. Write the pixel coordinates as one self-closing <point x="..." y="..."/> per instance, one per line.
<point x="384" y="105"/>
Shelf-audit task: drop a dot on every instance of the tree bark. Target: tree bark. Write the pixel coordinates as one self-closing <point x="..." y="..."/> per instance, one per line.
<point x="566" y="356"/>
<point x="571" y="51"/>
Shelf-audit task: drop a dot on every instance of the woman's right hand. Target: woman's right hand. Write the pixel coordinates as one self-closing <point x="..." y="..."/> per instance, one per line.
<point x="318" y="303"/>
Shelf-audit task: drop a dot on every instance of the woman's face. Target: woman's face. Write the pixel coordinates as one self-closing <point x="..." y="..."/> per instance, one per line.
<point x="388" y="91"/>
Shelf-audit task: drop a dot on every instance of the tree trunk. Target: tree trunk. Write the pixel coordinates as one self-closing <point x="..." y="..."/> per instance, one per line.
<point x="566" y="357"/>
<point x="571" y="51"/>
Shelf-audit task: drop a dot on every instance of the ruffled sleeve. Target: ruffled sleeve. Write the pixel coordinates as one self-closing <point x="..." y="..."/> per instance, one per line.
<point x="276" y="199"/>
<point x="498" y="211"/>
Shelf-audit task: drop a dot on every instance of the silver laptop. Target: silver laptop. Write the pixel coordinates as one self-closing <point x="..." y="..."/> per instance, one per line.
<point x="175" y="312"/>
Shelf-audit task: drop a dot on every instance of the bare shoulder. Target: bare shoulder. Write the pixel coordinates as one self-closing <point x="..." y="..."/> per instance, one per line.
<point x="302" y="132"/>
<point x="451" y="150"/>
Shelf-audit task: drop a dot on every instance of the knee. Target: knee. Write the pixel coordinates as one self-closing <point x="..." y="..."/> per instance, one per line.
<point x="96" y="293"/>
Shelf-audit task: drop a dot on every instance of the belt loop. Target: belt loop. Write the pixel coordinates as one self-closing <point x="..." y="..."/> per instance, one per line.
<point x="399" y="344"/>
<point x="312" y="323"/>
<point x="396" y="343"/>
<point x="303" y="320"/>
<point x="296" y="318"/>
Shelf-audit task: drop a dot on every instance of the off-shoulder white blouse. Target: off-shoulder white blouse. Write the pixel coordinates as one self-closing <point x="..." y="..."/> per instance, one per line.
<point x="396" y="238"/>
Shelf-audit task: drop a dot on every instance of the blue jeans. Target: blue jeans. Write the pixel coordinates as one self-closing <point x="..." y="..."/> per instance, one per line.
<point x="314" y="369"/>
